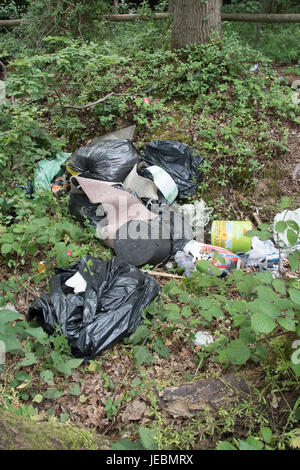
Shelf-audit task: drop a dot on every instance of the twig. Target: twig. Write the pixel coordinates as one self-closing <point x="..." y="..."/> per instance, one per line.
<point x="98" y="101"/>
<point x="157" y="273"/>
<point x="63" y="111"/>
<point x="257" y="218"/>
<point x="266" y="338"/>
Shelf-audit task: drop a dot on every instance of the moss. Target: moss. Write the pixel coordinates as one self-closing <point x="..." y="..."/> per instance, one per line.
<point x="273" y="174"/>
<point x="18" y="432"/>
<point x="168" y="134"/>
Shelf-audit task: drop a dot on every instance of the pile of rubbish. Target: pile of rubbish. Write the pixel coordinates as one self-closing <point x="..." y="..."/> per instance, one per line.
<point x="132" y="199"/>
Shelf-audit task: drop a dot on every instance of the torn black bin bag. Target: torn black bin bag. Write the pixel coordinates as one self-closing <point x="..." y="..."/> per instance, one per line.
<point x="109" y="160"/>
<point x="108" y="310"/>
<point x="178" y="160"/>
<point x="81" y="209"/>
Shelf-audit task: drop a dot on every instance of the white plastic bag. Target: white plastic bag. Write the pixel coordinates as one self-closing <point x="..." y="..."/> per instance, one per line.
<point x="281" y="237"/>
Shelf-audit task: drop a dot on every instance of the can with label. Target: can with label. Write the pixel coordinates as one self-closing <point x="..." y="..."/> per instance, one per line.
<point x="231" y="235"/>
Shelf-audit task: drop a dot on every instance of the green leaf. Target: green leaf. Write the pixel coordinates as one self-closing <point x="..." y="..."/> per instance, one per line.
<point x="21" y="375"/>
<point x="252" y="233"/>
<point x="147" y="438"/>
<point x="265" y="293"/>
<point x="247" y="336"/>
<point x="293" y="225"/>
<point x="237" y="352"/>
<point x="226" y="446"/>
<point x="263" y="306"/>
<point x="140" y="334"/>
<point x="7" y="316"/>
<point x="280" y="226"/>
<point x="74" y="389"/>
<point x="262" y="323"/>
<point x="295" y="295"/>
<point x="64" y="417"/>
<point x="292" y="236"/>
<point x="294" y="261"/>
<point x="38" y="333"/>
<point x="38" y="398"/>
<point x="203" y="266"/>
<point x="161" y="348"/>
<point x="127" y="444"/>
<point x="251" y="443"/>
<point x="186" y="311"/>
<point x="260" y="353"/>
<point x="266" y="434"/>
<point x="143" y="356"/>
<point x="62" y="365"/>
<point x="47" y="376"/>
<point x="52" y="394"/>
<point x="264" y="226"/>
<point x="12" y="344"/>
<point x="279" y="286"/>
<point x="287" y="323"/>
<point x="265" y="277"/>
<point x="6" y="248"/>
<point x="173" y="312"/>
<point x="285" y="202"/>
<point x="28" y="360"/>
<point x="265" y="235"/>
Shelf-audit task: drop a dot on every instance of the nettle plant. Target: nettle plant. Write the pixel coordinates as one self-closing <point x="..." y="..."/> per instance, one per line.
<point x="47" y="356"/>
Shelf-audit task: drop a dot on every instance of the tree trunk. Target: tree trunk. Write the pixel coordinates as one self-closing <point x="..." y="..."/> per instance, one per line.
<point x="195" y="21"/>
<point x="116" y="6"/>
<point x="23" y="433"/>
<point x="266" y="7"/>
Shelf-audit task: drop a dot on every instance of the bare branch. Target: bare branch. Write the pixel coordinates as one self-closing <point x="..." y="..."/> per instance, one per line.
<point x="89" y="105"/>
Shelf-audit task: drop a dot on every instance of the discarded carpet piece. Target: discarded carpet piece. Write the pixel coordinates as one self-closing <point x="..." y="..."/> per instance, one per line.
<point x="119" y="206"/>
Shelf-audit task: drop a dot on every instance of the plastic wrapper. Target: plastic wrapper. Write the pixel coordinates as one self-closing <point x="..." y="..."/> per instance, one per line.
<point x="108" y="310"/>
<point x="261" y="252"/>
<point x="186" y="261"/>
<point x="47" y="170"/>
<point x="225" y="260"/>
<point x="108" y="160"/>
<point x="179" y="161"/>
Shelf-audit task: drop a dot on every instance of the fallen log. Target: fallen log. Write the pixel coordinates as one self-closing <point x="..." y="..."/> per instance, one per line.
<point x="262" y="17"/>
<point x="243" y="17"/>
<point x="11" y="22"/>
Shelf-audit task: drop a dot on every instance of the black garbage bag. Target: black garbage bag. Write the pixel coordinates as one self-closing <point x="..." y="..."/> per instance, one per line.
<point x="81" y="209"/>
<point x="108" y="310"/>
<point x="109" y="160"/>
<point x="178" y="160"/>
<point x="179" y="229"/>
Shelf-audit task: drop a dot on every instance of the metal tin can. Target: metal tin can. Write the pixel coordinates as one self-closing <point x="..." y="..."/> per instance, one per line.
<point x="231" y="235"/>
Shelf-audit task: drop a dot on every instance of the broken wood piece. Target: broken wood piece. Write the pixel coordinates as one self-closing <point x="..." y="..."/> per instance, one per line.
<point x="191" y="398"/>
<point x="159" y="274"/>
<point x="257" y="218"/>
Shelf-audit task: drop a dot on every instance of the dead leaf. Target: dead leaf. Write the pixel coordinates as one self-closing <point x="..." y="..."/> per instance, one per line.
<point x="295" y="441"/>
